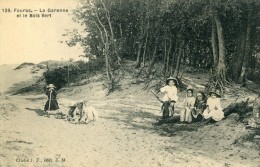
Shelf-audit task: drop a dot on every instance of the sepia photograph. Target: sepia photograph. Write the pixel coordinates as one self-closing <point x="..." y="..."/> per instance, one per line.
<point x="130" y="83"/>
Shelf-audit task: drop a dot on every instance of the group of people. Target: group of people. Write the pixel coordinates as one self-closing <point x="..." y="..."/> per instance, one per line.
<point x="80" y="111"/>
<point x="194" y="109"/>
<point x="198" y="108"/>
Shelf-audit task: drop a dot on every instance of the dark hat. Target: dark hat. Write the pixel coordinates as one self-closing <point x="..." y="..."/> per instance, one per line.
<point x="173" y="79"/>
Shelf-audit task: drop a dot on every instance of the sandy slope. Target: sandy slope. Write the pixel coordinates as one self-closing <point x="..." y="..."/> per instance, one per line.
<point x="124" y="136"/>
<point x="22" y="77"/>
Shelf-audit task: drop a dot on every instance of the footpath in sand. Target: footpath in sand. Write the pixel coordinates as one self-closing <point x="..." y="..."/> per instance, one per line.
<point x="125" y="135"/>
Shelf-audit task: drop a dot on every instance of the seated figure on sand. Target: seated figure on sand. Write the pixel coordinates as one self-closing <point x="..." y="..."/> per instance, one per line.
<point x="189" y="101"/>
<point x="214" y="109"/>
<point x="170" y="97"/>
<point x="199" y="107"/>
<point x="82" y="111"/>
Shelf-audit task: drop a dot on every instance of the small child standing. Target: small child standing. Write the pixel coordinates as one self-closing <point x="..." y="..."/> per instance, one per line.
<point x="170" y="96"/>
<point x="214" y="109"/>
<point x="189" y="101"/>
<point x="51" y="104"/>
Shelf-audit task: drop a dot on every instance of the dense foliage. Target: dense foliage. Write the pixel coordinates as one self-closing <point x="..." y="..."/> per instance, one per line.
<point x="222" y="35"/>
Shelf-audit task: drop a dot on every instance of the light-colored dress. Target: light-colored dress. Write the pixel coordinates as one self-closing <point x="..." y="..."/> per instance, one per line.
<point x="189" y="102"/>
<point x="91" y="112"/>
<point x="185" y="114"/>
<point x="170" y="93"/>
<point x="211" y="112"/>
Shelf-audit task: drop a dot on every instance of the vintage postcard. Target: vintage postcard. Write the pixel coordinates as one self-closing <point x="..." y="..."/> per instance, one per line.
<point x="134" y="83"/>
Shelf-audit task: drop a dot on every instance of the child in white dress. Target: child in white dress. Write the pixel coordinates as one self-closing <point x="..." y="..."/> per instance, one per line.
<point x="189" y="101"/>
<point x="214" y="109"/>
<point x="170" y="95"/>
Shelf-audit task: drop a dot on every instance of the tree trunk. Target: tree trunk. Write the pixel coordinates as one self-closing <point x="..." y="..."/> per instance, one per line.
<point x="113" y="42"/>
<point x="247" y="48"/>
<point x="145" y="45"/>
<point x="176" y="71"/>
<point x="138" y="59"/>
<point x="214" y="45"/>
<point x="168" y="58"/>
<point x="173" y="58"/>
<point x="185" y="55"/>
<point x="154" y="55"/>
<point x="106" y="53"/>
<point x="238" y="58"/>
<point x="165" y="55"/>
<point x="221" y="66"/>
<point x="108" y="69"/>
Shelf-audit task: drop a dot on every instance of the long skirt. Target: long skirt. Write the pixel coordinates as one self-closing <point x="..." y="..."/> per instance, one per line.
<point x="217" y="115"/>
<point x="53" y="105"/>
<point x="185" y="115"/>
<point x="196" y="115"/>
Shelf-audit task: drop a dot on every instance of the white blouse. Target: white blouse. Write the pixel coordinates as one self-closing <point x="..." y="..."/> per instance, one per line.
<point x="212" y="103"/>
<point x="170" y="93"/>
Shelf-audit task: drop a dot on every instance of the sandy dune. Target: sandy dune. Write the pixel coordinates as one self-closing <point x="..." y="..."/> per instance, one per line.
<point x="15" y="79"/>
<point x="125" y="135"/>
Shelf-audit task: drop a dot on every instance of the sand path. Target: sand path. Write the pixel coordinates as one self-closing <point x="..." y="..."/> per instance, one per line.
<point x="123" y="136"/>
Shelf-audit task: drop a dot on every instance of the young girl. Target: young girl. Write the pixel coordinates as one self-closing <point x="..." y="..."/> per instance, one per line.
<point x="189" y="101"/>
<point x="199" y="107"/>
<point x="214" y="109"/>
<point x="170" y="95"/>
<point x="52" y="103"/>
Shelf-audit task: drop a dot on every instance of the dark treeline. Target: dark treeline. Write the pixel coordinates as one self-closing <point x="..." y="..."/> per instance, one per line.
<point x="221" y="35"/>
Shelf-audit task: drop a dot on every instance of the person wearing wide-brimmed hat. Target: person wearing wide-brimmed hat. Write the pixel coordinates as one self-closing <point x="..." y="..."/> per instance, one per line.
<point x="170" y="95"/>
<point x="51" y="104"/>
<point x="214" y="109"/>
<point x="189" y="101"/>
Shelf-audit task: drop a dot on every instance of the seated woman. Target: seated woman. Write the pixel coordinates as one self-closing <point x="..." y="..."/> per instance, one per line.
<point x="199" y="107"/>
<point x="189" y="101"/>
<point x="214" y="109"/>
<point x="170" y="97"/>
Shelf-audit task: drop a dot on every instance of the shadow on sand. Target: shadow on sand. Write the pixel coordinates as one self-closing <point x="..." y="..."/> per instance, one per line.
<point x="38" y="111"/>
<point x="139" y="119"/>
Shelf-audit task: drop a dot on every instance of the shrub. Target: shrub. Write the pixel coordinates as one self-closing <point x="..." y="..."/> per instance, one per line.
<point x="77" y="71"/>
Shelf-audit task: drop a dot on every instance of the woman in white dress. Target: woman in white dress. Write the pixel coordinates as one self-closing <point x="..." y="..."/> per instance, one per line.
<point x="214" y="109"/>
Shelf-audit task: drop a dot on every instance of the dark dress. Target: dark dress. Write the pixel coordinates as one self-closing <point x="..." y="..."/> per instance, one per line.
<point x="197" y="112"/>
<point x="52" y="103"/>
<point x="165" y="109"/>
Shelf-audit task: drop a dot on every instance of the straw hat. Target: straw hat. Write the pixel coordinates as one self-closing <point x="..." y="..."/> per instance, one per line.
<point x="189" y="88"/>
<point x="214" y="92"/>
<point x="173" y="79"/>
<point x="51" y="86"/>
